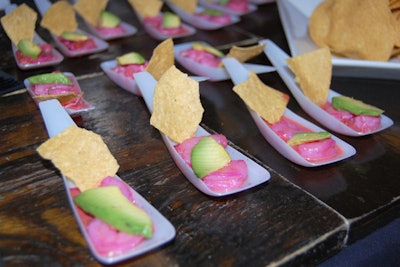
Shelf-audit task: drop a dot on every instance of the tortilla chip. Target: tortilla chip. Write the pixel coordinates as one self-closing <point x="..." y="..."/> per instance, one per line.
<point x="319" y="23"/>
<point x="148" y="8"/>
<point x="81" y="156"/>
<point x="188" y="6"/>
<point x="60" y="17"/>
<point x="242" y="54"/>
<point x="358" y="29"/>
<point x="177" y="110"/>
<point x="63" y="98"/>
<point x="266" y="101"/>
<point x="162" y="59"/>
<point x="396" y="22"/>
<point x="394" y="4"/>
<point x="20" y="23"/>
<point x="90" y="9"/>
<point x="313" y="72"/>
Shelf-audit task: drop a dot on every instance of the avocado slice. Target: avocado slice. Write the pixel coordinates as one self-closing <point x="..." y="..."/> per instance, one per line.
<point x="355" y="106"/>
<point x="29" y="48"/>
<point x="74" y="36"/>
<point x="130" y="58"/>
<point x="212" y="12"/>
<point x="305" y="137"/>
<point x="109" y="205"/>
<point x="55" y="77"/>
<point x="108" y="20"/>
<point x="171" y="20"/>
<point x="208" y="156"/>
<point x="210" y="49"/>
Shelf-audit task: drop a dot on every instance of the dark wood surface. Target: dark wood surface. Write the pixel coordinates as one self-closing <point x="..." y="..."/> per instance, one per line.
<point x="300" y="217"/>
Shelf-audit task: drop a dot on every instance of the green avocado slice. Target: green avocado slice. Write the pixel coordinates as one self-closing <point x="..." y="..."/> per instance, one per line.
<point x="208" y="156"/>
<point x="55" y="77"/>
<point x="109" y="205"/>
<point x="305" y="137"/>
<point x="355" y="106"/>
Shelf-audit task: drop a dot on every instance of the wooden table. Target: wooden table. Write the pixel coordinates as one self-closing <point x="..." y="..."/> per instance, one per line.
<point x="300" y="217"/>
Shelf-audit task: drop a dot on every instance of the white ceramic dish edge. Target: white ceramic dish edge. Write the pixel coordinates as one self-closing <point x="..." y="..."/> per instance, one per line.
<point x="71" y="112"/>
<point x="199" y="22"/>
<point x="239" y="75"/>
<point x="256" y="173"/>
<point x="278" y="59"/>
<point x="56" y="120"/>
<point x="214" y="74"/>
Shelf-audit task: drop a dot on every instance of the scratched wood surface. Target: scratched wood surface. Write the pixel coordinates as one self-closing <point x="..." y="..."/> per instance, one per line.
<point x="300" y="217"/>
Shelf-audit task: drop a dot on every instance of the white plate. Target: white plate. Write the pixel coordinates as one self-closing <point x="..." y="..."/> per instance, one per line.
<point x="101" y="45"/>
<point x="214" y="5"/>
<point x="72" y="112"/>
<point x="239" y="74"/>
<point x="199" y="22"/>
<point x="294" y="15"/>
<point x="129" y="30"/>
<point x="256" y="173"/>
<point x="278" y="59"/>
<point x="129" y="84"/>
<point x="57" y="120"/>
<point x="39" y="41"/>
<point x="214" y="74"/>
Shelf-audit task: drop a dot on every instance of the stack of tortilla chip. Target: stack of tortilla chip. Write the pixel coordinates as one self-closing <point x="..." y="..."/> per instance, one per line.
<point x="358" y="29"/>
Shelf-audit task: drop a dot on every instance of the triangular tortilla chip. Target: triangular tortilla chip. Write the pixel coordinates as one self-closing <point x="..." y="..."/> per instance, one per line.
<point x="313" y="72"/>
<point x="242" y="54"/>
<point x="147" y="8"/>
<point x="81" y="156"/>
<point x="59" y="18"/>
<point x="266" y="101"/>
<point x="90" y="9"/>
<point x="177" y="110"/>
<point x="188" y="6"/>
<point x="162" y="59"/>
<point x="20" y="23"/>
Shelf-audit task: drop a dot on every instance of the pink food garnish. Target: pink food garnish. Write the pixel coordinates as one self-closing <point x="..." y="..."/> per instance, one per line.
<point x="230" y="177"/>
<point x="130" y="69"/>
<point x="221" y="19"/>
<point x="105" y="238"/>
<point x="312" y="151"/>
<point x="238" y="5"/>
<point x="202" y="57"/>
<point x="45" y="55"/>
<point x="109" y="241"/>
<point x="77" y="46"/>
<point x="111" y="31"/>
<point x="360" y="123"/>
